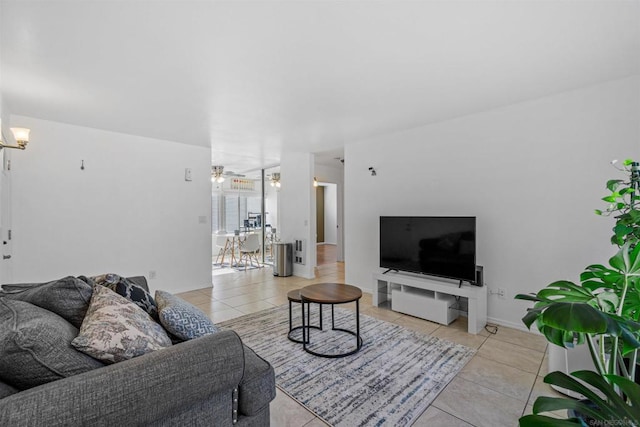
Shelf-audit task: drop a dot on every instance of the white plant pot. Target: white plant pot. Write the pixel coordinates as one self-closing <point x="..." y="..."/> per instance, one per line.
<point x="569" y="360"/>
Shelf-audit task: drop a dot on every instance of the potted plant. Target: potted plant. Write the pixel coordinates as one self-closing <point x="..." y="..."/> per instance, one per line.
<point x="601" y="312"/>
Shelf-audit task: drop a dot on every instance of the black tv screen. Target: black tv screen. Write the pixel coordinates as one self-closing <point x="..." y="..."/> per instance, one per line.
<point x="437" y="246"/>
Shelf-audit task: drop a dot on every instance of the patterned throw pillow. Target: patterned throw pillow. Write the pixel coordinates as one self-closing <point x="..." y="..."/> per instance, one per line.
<point x="115" y="329"/>
<point x="182" y="319"/>
<point x="131" y="291"/>
<point x="35" y="346"/>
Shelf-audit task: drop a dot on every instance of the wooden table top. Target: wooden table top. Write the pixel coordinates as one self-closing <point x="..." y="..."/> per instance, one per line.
<point x="330" y="293"/>
<point x="294" y="295"/>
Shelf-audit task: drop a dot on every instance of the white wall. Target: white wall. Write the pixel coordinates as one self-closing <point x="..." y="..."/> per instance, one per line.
<point x="298" y="207"/>
<point x="330" y="214"/>
<point x="130" y="211"/>
<point x="532" y="173"/>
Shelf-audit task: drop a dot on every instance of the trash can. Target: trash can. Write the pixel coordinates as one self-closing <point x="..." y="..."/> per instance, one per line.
<point x="283" y="259"/>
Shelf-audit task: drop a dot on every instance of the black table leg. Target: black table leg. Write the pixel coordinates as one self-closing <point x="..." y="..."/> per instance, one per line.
<point x="304" y="336"/>
<point x="355" y="334"/>
<point x="358" y="342"/>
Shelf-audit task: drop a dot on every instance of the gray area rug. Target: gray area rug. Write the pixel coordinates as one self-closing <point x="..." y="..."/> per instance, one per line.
<point x="391" y="381"/>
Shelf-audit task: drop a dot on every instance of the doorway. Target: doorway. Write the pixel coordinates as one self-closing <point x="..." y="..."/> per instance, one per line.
<point x="243" y="206"/>
<point x="326" y="223"/>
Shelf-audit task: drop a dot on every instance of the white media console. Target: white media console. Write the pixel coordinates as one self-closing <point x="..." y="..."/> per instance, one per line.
<point x="430" y="298"/>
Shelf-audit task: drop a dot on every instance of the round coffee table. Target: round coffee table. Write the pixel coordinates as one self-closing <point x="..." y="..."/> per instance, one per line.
<point x="294" y="296"/>
<point x="331" y="293"/>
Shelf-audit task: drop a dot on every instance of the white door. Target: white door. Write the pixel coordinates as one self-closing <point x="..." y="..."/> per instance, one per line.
<point x="6" y="270"/>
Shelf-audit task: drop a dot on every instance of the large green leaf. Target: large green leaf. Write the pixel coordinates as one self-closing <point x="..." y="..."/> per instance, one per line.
<point x="617" y="261"/>
<point x="576" y="317"/>
<point x="628" y="333"/>
<point x="607" y="275"/>
<point x="622" y="230"/>
<point x="527" y="297"/>
<point x="531" y="316"/>
<point x="614" y="402"/>
<point x="608" y="301"/>
<point x="560" y="337"/>
<point x="635" y="215"/>
<point x="612" y="184"/>
<point x="634" y="262"/>
<point x="544" y="421"/>
<point x="631" y="306"/>
<point x="594" y="285"/>
<point x="564" y="295"/>
<point x="550" y="404"/>
<point x="565" y="285"/>
<point x="631" y="390"/>
<point x="570" y="383"/>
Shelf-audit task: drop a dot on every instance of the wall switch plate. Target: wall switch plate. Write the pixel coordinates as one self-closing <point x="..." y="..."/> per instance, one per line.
<point x="187" y="174"/>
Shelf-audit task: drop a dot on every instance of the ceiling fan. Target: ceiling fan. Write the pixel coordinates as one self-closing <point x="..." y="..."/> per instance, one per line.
<point x="218" y="174"/>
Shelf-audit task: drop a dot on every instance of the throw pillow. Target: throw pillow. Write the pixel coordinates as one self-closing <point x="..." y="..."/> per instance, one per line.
<point x="115" y="329"/>
<point x="18" y="287"/>
<point x="68" y="297"/>
<point x="182" y="319"/>
<point x="35" y="346"/>
<point x="131" y="291"/>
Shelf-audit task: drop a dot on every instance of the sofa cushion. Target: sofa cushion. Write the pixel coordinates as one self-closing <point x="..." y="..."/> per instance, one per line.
<point x="35" y="346"/>
<point x="258" y="385"/>
<point x="7" y="390"/>
<point x="181" y="318"/>
<point x="67" y="297"/>
<point x="131" y="291"/>
<point x="115" y="329"/>
<point x="17" y="287"/>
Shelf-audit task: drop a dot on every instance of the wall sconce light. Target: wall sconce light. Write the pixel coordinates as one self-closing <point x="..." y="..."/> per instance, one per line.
<point x="275" y="179"/>
<point x="22" y="139"/>
<point x="373" y="171"/>
<point x="315" y="181"/>
<point x="217" y="174"/>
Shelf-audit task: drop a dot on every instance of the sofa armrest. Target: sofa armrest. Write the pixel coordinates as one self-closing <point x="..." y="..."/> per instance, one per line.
<point x="135" y="392"/>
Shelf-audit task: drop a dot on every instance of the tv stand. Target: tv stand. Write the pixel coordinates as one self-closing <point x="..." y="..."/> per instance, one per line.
<point x="388" y="270"/>
<point x="430" y="298"/>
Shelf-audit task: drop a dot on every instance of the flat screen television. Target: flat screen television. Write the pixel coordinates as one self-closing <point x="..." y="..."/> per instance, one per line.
<point x="432" y="245"/>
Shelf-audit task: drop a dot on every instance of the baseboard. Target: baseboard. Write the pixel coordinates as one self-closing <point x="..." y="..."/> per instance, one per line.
<point x="513" y="325"/>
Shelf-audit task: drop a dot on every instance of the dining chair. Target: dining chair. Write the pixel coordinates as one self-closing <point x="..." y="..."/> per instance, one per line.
<point x="222" y="246"/>
<point x="249" y="250"/>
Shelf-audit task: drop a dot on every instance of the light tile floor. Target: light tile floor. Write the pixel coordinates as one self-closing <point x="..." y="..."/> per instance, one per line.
<point x="496" y="387"/>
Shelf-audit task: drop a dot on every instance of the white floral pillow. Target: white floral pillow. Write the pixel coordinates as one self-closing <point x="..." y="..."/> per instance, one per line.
<point x="115" y="329"/>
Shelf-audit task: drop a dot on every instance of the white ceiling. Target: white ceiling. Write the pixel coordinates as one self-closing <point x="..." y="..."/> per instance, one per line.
<point x="252" y="79"/>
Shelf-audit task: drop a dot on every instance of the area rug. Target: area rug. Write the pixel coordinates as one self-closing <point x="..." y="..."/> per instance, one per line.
<point x="390" y="381"/>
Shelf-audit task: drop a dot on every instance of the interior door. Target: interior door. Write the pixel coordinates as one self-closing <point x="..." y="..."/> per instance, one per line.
<point x="6" y="271"/>
<point x="319" y="214"/>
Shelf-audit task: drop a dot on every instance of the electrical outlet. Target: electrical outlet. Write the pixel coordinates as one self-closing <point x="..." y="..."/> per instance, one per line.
<point x="500" y="292"/>
<point x="152" y="274"/>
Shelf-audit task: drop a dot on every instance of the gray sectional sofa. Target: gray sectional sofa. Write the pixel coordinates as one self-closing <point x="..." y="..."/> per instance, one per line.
<point x="211" y="380"/>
